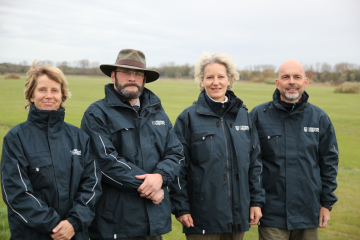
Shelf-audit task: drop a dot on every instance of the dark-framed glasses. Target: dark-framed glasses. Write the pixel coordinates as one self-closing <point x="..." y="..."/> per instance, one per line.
<point x="128" y="73"/>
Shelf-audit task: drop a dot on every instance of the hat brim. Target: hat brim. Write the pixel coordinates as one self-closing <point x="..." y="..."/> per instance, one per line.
<point x="151" y="75"/>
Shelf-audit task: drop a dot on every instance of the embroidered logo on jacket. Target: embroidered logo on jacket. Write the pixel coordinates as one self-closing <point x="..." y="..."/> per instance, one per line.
<point x="158" y="122"/>
<point x="311" y="129"/>
<point x="242" y="128"/>
<point x="75" y="152"/>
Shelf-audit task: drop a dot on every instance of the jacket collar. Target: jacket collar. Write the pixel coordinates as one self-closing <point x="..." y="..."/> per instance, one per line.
<point x="276" y="100"/>
<point x="45" y="120"/>
<point x="203" y="108"/>
<point x="114" y="99"/>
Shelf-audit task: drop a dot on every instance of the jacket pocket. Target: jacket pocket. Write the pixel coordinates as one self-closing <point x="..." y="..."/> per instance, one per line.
<point x="202" y="146"/>
<point x="40" y="170"/>
<point x="270" y="143"/>
<point x="122" y="136"/>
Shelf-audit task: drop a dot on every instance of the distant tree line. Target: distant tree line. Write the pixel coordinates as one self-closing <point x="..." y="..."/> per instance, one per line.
<point x="319" y="72"/>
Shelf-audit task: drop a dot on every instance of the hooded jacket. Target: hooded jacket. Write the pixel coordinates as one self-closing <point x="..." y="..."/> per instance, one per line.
<point x="221" y="175"/>
<point x="127" y="143"/>
<point x="47" y="176"/>
<point x="300" y="157"/>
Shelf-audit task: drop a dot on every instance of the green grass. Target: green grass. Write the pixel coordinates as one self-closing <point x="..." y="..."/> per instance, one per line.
<point x="343" y="109"/>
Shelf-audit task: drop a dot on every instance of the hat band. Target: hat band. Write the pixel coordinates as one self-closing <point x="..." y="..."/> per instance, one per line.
<point x="131" y="63"/>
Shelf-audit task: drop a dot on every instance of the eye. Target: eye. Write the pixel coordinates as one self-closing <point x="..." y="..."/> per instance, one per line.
<point x="139" y="74"/>
<point x="127" y="72"/>
<point x="55" y="90"/>
<point x="42" y="89"/>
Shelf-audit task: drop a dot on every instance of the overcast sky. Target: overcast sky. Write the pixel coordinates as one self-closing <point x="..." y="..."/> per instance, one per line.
<point x="252" y="32"/>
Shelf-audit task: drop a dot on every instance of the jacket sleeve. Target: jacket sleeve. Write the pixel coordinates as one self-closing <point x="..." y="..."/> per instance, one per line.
<point x="178" y="188"/>
<point x="172" y="156"/>
<point x="328" y="161"/>
<point x="18" y="192"/>
<point x="116" y="171"/>
<point x="89" y="190"/>
<point x="257" y="193"/>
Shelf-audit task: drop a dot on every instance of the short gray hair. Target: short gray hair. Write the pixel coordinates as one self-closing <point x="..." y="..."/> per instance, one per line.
<point x="218" y="57"/>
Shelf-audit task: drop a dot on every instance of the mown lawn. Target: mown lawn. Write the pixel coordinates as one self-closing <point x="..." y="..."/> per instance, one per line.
<point x="343" y="109"/>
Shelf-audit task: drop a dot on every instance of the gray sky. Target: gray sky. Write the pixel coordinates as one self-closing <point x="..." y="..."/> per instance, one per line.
<point x="252" y="32"/>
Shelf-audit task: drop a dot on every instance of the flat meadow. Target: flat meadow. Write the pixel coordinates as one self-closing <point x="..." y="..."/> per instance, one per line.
<point x="176" y="95"/>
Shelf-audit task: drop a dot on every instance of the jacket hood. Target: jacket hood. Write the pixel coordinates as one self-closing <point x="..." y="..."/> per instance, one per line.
<point x="45" y="119"/>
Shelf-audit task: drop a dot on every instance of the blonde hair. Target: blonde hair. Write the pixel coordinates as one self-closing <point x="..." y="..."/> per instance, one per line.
<point x="53" y="73"/>
<point x="218" y="57"/>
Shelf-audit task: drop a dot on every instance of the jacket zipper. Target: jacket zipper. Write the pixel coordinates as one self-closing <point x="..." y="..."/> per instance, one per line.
<point x="228" y="169"/>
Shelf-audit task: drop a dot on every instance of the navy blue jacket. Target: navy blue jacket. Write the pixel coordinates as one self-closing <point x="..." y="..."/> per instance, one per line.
<point x="47" y="176"/>
<point x="300" y="157"/>
<point x="127" y="143"/>
<point x="221" y="175"/>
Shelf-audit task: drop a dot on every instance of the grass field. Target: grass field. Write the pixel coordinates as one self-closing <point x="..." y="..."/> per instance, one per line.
<point x="343" y="109"/>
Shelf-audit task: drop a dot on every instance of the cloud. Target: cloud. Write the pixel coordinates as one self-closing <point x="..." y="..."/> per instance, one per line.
<point x="252" y="32"/>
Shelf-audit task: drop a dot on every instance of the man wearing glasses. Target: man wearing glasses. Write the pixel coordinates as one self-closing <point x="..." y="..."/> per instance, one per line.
<point x="137" y="150"/>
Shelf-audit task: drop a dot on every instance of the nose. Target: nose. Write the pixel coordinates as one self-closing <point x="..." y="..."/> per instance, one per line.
<point x="48" y="94"/>
<point x="216" y="81"/>
<point x="132" y="76"/>
<point x="292" y="80"/>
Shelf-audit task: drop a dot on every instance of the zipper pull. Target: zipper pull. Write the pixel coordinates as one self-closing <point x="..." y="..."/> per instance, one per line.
<point x="203" y="138"/>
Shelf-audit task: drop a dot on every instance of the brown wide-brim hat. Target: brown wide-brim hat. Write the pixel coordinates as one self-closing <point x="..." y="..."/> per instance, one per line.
<point x="132" y="59"/>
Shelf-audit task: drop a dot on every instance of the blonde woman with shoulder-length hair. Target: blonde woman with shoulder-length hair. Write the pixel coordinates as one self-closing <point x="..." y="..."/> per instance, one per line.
<point x="219" y="191"/>
<point x="48" y="181"/>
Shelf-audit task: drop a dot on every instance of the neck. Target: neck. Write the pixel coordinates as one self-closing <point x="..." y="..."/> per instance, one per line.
<point x="132" y="101"/>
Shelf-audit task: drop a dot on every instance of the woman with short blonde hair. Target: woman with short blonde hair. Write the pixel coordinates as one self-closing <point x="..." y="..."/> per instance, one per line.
<point x="49" y="183"/>
<point x="219" y="190"/>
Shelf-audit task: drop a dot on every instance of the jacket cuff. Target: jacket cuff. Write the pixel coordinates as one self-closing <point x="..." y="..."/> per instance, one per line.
<point x="327" y="203"/>
<point x="165" y="177"/>
<point x="180" y="213"/>
<point x="75" y="223"/>
<point x="254" y="204"/>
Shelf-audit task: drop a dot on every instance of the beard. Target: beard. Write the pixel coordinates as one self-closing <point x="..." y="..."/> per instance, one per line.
<point x="291" y="97"/>
<point x="129" y="94"/>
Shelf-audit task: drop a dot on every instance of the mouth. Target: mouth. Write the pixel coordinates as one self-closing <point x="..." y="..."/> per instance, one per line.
<point x="215" y="89"/>
<point x="292" y="88"/>
<point x="131" y="85"/>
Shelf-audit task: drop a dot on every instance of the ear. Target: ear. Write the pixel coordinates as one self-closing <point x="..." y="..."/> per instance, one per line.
<point x="113" y="76"/>
<point x="277" y="83"/>
<point x="306" y="82"/>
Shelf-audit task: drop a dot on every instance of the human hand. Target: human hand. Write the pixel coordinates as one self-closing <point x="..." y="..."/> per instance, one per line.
<point x="63" y="231"/>
<point x="186" y="220"/>
<point x="324" y="217"/>
<point x="158" y="197"/>
<point x="255" y="215"/>
<point x="152" y="183"/>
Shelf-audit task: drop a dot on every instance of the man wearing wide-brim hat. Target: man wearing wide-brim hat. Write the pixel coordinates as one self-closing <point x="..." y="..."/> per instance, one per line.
<point x="136" y="147"/>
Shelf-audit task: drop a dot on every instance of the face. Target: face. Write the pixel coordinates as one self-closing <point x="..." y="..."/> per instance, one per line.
<point x="130" y="86"/>
<point x="47" y="94"/>
<point x="215" y="81"/>
<point x="291" y="81"/>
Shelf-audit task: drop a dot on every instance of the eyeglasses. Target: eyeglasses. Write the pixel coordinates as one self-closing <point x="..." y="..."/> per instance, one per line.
<point x="128" y="73"/>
